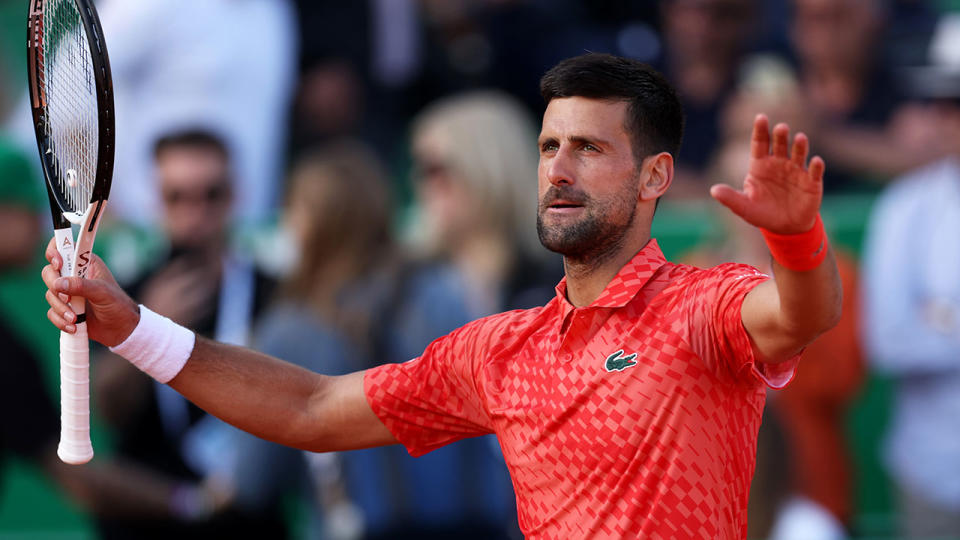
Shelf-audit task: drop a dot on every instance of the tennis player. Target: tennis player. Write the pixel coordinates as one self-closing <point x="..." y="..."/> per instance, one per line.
<point x="627" y="406"/>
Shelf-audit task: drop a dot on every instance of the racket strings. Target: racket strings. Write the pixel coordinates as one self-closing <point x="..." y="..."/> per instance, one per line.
<point x="72" y="114"/>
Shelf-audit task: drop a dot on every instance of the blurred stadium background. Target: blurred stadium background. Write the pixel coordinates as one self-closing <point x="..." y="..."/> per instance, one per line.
<point x="279" y="78"/>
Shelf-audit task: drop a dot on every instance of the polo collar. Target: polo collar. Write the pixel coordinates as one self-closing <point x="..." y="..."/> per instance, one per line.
<point x="628" y="281"/>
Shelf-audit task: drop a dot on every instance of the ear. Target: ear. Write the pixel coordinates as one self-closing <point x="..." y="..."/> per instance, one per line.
<point x="656" y="175"/>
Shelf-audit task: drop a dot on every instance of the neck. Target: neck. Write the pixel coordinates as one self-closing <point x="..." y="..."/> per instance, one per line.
<point x="486" y="260"/>
<point x="587" y="278"/>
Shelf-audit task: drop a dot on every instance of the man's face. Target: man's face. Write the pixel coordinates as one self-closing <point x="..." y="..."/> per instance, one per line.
<point x="195" y="189"/>
<point x="707" y="30"/>
<point x="839" y="33"/>
<point x="449" y="208"/>
<point x="589" y="181"/>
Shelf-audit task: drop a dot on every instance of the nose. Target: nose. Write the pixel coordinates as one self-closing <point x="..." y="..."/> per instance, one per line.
<point x="558" y="167"/>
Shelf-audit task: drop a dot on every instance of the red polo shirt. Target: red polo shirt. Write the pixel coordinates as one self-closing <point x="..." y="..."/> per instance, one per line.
<point x="634" y="417"/>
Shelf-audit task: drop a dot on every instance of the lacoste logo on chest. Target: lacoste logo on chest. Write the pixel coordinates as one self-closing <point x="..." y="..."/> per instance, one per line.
<point x="618" y="362"/>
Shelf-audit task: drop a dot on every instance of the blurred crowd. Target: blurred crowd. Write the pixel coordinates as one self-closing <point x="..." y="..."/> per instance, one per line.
<point x="339" y="183"/>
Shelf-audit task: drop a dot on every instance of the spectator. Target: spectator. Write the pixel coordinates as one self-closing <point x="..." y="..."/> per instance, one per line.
<point x="352" y="303"/>
<point x="32" y="432"/>
<point x="704" y="42"/>
<point x="105" y="488"/>
<point x="475" y="158"/>
<point x="177" y="63"/>
<point x="912" y="314"/>
<point x="852" y="102"/>
<point x="207" y="287"/>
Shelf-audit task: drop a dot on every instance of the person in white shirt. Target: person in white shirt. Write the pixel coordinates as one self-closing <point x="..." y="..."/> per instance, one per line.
<point x="911" y="279"/>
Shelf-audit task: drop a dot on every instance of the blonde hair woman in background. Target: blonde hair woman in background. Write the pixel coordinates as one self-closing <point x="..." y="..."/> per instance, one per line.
<point x="475" y="165"/>
<point x="351" y="302"/>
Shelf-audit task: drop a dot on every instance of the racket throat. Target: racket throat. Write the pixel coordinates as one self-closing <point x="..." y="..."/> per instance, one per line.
<point x="83" y="253"/>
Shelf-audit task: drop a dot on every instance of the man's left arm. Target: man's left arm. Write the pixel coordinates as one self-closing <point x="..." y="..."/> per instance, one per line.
<point x="781" y="195"/>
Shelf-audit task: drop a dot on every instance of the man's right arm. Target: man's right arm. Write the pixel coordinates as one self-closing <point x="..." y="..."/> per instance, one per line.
<point x="279" y="401"/>
<point x="265" y="396"/>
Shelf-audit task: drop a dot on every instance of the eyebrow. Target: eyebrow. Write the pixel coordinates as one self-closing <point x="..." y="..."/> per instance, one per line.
<point x="578" y="139"/>
<point x="582" y="139"/>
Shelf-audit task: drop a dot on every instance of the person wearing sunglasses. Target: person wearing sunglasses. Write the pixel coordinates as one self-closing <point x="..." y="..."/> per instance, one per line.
<point x="204" y="285"/>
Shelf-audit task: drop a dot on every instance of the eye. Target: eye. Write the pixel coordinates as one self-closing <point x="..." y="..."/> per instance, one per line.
<point x="590" y="148"/>
<point x="549" y="146"/>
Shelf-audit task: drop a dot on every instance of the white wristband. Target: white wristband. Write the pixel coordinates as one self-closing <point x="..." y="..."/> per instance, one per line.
<point x="157" y="346"/>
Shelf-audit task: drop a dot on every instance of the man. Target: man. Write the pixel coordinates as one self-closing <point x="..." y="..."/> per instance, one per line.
<point x="109" y="489"/>
<point x="912" y="304"/>
<point x="203" y="285"/>
<point x="628" y="406"/>
<point x="912" y="332"/>
<point x="705" y="42"/>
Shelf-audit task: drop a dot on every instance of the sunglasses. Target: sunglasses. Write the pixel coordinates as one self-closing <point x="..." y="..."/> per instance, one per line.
<point x="211" y="195"/>
<point x="430" y="170"/>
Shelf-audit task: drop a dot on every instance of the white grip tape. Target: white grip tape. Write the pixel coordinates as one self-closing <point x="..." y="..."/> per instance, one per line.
<point x="75" y="447"/>
<point x="157" y="346"/>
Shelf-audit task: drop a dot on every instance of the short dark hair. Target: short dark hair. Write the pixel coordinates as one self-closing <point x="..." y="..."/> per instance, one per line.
<point x="192" y="137"/>
<point x="654" y="114"/>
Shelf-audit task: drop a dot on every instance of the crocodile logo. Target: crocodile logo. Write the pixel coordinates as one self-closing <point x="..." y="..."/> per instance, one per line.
<point x="618" y="362"/>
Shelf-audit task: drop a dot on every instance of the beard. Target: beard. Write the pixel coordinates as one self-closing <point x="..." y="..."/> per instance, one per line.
<point x="599" y="232"/>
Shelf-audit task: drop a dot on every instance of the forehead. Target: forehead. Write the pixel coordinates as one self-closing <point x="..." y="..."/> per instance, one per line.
<point x="191" y="166"/>
<point x="429" y="143"/>
<point x="585" y="117"/>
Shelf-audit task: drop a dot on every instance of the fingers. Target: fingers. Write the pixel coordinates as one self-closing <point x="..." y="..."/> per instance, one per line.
<point x="60" y="306"/>
<point x="760" y="144"/>
<point x="60" y="310"/>
<point x="50" y="275"/>
<point x="801" y="146"/>
<point x="60" y="313"/>
<point x="780" y="135"/>
<point x="60" y="322"/>
<point x="91" y="289"/>
<point x="52" y="255"/>
<point x="736" y="201"/>
<point x="816" y="169"/>
<point x="760" y="141"/>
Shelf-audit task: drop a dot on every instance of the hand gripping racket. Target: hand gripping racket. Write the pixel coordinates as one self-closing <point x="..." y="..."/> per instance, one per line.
<point x="71" y="94"/>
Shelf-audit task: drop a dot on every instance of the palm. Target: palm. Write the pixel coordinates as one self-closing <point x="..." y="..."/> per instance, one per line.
<point x="780" y="193"/>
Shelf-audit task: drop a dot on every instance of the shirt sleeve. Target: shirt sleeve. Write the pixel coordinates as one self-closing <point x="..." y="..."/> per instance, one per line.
<point x="716" y="331"/>
<point x="432" y="400"/>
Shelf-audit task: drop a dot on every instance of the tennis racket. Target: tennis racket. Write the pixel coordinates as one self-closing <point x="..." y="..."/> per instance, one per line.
<point x="71" y="94"/>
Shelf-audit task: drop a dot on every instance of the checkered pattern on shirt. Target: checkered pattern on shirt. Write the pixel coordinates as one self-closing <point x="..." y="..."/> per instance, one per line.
<point x="662" y="449"/>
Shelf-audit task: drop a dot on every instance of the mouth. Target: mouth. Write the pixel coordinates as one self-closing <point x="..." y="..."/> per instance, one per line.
<point x="564" y="207"/>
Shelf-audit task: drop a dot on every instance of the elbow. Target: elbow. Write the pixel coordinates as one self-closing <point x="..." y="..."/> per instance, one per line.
<point x="798" y="334"/>
<point x="808" y="329"/>
<point x="309" y="426"/>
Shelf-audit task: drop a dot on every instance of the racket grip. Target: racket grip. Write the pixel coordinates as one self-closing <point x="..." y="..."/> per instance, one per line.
<point x="75" y="447"/>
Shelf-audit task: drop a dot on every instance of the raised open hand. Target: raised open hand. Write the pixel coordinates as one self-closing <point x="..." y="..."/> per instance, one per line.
<point x="780" y="193"/>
